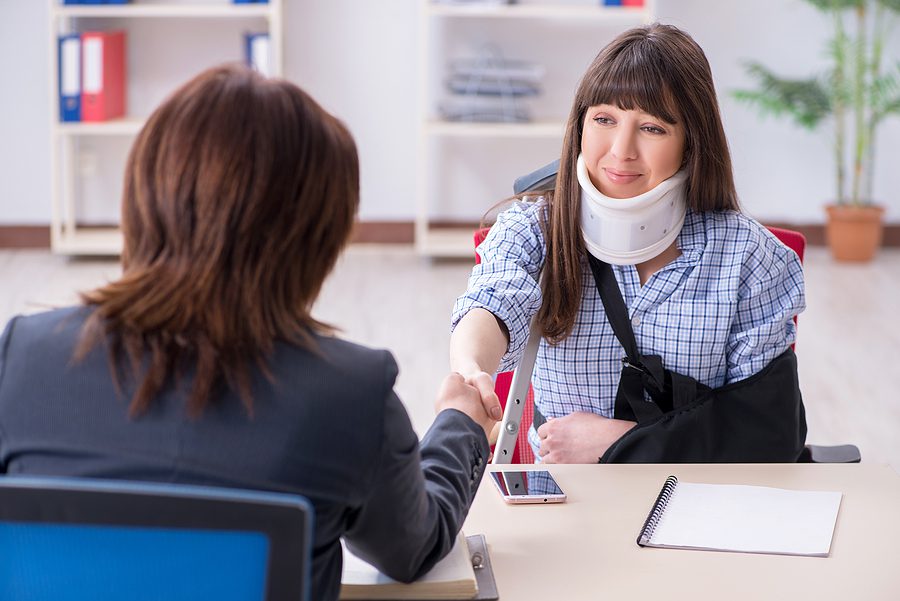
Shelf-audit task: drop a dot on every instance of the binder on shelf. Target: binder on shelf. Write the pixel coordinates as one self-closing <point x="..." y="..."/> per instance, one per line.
<point x="249" y="1"/>
<point x="612" y="2"/>
<point x="103" y="75"/>
<point x="256" y="52"/>
<point x="70" y="77"/>
<point x="740" y="518"/>
<point x="634" y="3"/>
<point x="68" y="2"/>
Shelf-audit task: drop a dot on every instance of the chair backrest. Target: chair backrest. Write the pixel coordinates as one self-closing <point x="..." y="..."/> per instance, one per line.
<point x="70" y="539"/>
<point x="793" y="240"/>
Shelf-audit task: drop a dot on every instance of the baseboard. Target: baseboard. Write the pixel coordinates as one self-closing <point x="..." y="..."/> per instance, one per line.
<point x="365" y="232"/>
<point x="24" y="236"/>
<point x="815" y="234"/>
<point x="394" y="232"/>
<point x="383" y="232"/>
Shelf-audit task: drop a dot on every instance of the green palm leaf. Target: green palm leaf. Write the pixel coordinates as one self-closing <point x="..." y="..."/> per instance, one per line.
<point x="806" y="101"/>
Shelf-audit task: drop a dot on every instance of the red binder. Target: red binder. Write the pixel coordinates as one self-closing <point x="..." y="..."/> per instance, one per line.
<point x="103" y="75"/>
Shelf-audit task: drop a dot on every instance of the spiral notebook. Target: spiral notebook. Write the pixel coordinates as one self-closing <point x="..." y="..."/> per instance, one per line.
<point x="746" y="519"/>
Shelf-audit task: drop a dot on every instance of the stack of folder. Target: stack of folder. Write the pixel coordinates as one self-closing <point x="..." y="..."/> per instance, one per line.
<point x="491" y="88"/>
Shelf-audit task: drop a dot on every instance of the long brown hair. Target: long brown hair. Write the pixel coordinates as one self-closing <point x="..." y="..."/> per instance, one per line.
<point x="240" y="193"/>
<point x="661" y="70"/>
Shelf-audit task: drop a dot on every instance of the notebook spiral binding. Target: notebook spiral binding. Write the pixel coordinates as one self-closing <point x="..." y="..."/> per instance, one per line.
<point x="656" y="512"/>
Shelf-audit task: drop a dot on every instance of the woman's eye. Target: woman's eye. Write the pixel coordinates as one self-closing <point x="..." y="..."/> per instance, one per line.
<point x="603" y="120"/>
<point x="653" y="129"/>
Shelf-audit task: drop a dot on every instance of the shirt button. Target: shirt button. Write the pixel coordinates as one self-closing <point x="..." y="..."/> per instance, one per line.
<point x="636" y="321"/>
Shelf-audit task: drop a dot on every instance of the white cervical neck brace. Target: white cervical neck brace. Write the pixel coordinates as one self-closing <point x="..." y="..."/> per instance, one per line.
<point x="627" y="231"/>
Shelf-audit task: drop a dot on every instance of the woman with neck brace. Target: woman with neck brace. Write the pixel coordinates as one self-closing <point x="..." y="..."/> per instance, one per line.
<point x="645" y="184"/>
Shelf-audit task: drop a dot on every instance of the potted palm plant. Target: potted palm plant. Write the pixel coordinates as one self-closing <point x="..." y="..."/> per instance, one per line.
<point x="859" y="88"/>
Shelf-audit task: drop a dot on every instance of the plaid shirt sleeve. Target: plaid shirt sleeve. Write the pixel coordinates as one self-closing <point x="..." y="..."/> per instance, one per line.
<point x="770" y="294"/>
<point x="506" y="281"/>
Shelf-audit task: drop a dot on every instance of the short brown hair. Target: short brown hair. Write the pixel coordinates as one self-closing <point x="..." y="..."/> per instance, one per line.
<point x="661" y="70"/>
<point x="240" y="193"/>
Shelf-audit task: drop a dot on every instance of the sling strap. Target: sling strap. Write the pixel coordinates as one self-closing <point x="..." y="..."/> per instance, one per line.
<point x="640" y="373"/>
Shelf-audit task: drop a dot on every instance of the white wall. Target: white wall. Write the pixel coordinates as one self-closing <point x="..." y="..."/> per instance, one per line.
<point x="359" y="59"/>
<point x="24" y="106"/>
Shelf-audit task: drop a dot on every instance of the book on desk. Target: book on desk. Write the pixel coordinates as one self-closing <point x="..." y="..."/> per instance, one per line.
<point x="465" y="573"/>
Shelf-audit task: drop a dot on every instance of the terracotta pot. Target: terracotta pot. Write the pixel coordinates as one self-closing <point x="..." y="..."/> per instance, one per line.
<point x="854" y="232"/>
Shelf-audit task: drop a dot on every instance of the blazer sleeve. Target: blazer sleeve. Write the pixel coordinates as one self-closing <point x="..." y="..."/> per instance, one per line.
<point x="420" y="494"/>
<point x="5" y="337"/>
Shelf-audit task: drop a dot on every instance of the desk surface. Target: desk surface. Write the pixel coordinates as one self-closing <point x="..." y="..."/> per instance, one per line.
<point x="585" y="548"/>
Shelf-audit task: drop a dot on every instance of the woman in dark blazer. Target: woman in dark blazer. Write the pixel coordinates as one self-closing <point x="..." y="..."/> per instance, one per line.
<point x="202" y="364"/>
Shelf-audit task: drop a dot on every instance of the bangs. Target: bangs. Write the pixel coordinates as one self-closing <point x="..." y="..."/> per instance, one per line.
<point x="633" y="78"/>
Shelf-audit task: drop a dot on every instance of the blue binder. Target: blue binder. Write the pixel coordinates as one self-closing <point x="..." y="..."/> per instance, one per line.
<point x="70" y="77"/>
<point x="256" y="52"/>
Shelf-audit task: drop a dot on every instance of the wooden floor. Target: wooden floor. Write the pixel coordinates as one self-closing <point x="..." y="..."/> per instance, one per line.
<point x="386" y="296"/>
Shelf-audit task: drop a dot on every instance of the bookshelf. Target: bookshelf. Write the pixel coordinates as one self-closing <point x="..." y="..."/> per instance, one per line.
<point x="76" y="146"/>
<point x="444" y="26"/>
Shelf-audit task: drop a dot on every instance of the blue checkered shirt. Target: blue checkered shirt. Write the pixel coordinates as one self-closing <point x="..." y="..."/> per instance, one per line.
<point x="719" y="313"/>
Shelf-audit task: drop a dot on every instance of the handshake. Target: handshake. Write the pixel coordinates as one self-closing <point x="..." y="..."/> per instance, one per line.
<point x="473" y="395"/>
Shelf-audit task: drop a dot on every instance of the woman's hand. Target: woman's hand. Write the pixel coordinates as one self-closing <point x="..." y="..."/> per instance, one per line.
<point x="456" y="393"/>
<point x="484" y="383"/>
<point x="579" y="437"/>
<point x="476" y="346"/>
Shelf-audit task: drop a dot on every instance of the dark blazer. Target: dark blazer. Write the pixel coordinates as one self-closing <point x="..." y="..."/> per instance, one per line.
<point x="327" y="427"/>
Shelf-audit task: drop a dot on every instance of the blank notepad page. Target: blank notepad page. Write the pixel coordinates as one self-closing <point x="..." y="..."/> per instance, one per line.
<point x="753" y="519"/>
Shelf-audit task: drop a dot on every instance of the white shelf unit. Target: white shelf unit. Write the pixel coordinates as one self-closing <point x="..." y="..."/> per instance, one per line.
<point x="439" y="239"/>
<point x="67" y="235"/>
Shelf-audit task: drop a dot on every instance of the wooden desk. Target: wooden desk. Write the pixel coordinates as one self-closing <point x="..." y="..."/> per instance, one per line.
<point x="585" y="548"/>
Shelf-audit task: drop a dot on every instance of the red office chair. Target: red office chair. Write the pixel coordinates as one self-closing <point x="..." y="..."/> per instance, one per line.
<point x="544" y="178"/>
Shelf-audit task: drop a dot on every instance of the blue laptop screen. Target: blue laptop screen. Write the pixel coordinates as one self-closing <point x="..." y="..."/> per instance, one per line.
<point x="62" y="562"/>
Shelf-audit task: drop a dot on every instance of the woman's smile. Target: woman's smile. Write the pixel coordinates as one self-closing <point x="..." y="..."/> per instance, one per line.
<point x="621" y="177"/>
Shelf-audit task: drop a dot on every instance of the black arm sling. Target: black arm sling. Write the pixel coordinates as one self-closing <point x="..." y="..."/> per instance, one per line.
<point x="758" y="419"/>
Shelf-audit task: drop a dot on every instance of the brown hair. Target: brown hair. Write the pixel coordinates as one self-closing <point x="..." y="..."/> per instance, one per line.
<point x="240" y="193"/>
<point x="661" y="70"/>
